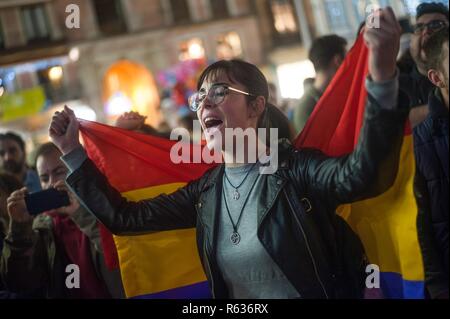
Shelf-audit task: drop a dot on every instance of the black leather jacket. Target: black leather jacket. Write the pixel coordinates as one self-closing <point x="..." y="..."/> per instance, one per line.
<point x="301" y="243"/>
<point x="431" y="186"/>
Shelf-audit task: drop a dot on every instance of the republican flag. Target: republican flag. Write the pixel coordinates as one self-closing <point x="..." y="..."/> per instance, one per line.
<point x="161" y="264"/>
<point x="386" y="224"/>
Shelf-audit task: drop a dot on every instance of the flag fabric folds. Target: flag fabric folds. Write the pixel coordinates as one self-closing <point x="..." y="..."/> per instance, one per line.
<point x="386" y="224"/>
<point x="162" y="264"/>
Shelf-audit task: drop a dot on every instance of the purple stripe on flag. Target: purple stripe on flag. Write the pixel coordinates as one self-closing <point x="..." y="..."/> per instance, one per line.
<point x="393" y="286"/>
<point x="195" y="291"/>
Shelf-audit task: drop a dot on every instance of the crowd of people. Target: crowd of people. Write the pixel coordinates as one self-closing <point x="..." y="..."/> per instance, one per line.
<point x="256" y="254"/>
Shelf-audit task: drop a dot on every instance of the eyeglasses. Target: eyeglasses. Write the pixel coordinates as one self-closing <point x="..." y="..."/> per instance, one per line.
<point x="216" y="95"/>
<point x="434" y="25"/>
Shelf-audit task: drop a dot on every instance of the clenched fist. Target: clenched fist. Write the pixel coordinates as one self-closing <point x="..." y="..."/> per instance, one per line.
<point x="64" y="130"/>
<point x="131" y="121"/>
<point x="383" y="41"/>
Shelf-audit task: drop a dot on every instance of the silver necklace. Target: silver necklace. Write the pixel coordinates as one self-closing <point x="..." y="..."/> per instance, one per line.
<point x="235" y="237"/>
<point x="236" y="194"/>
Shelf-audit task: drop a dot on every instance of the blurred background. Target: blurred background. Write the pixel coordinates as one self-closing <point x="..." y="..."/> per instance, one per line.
<point x="145" y="55"/>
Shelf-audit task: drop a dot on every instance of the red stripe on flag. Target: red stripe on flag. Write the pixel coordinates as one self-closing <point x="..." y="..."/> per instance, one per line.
<point x="133" y="161"/>
<point x="334" y="125"/>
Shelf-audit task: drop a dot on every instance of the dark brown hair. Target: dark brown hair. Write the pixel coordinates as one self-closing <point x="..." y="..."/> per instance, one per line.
<point x="324" y="49"/>
<point x="247" y="74"/>
<point x="45" y="149"/>
<point x="431" y="7"/>
<point x="14" y="137"/>
<point x="238" y="71"/>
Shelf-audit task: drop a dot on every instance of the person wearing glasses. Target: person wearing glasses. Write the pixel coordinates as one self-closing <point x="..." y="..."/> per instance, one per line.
<point x="430" y="17"/>
<point x="257" y="238"/>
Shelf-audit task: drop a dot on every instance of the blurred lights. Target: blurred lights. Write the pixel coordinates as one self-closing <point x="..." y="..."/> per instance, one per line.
<point x="85" y="112"/>
<point x="55" y="73"/>
<point x="284" y="17"/>
<point x="192" y="49"/>
<point x="196" y="51"/>
<point x="141" y="97"/>
<point x="228" y="46"/>
<point x="117" y="104"/>
<point x="33" y="66"/>
<point x="291" y="77"/>
<point x="130" y="86"/>
<point x="74" y="54"/>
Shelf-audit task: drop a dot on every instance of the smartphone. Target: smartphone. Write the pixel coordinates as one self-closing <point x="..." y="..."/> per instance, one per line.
<point x="46" y="200"/>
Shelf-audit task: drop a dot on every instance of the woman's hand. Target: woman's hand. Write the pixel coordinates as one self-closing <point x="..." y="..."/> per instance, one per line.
<point x="383" y="41"/>
<point x="131" y="121"/>
<point x="17" y="208"/>
<point x="64" y="130"/>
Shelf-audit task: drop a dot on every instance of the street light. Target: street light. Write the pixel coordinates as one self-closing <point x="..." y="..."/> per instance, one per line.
<point x="55" y="73"/>
<point x="74" y="54"/>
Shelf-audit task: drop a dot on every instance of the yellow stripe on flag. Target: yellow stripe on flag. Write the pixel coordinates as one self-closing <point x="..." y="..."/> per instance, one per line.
<point x="159" y="261"/>
<point x="387" y="224"/>
<point x="150" y="192"/>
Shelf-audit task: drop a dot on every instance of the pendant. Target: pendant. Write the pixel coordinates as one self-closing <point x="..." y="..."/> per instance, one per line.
<point x="235" y="238"/>
<point x="236" y="194"/>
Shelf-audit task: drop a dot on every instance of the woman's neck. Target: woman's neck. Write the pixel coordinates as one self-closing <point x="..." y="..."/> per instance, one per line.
<point x="244" y="155"/>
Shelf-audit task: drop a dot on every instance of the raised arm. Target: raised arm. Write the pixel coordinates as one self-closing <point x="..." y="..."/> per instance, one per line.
<point x="372" y="167"/>
<point x="120" y="216"/>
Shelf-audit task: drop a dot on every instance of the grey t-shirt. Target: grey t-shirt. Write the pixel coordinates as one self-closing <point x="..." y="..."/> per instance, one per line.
<point x="247" y="268"/>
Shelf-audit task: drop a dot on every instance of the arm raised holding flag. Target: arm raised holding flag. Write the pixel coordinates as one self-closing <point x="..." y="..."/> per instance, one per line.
<point x="383" y="43"/>
<point x="370" y="169"/>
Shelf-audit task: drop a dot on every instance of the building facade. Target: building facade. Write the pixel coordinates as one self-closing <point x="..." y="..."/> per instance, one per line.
<point x="54" y="52"/>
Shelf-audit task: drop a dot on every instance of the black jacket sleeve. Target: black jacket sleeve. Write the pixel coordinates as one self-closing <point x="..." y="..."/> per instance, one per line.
<point x="366" y="172"/>
<point x="123" y="217"/>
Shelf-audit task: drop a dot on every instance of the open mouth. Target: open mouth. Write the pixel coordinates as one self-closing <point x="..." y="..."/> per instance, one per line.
<point x="212" y="122"/>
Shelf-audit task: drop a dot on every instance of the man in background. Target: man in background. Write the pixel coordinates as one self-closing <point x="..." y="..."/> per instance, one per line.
<point x="326" y="54"/>
<point x="432" y="177"/>
<point x="430" y="18"/>
<point x="13" y="161"/>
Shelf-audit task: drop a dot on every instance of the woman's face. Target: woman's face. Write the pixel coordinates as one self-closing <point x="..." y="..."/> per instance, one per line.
<point x="233" y="112"/>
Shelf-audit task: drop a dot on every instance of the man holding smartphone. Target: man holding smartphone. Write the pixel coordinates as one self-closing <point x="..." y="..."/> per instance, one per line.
<point x="49" y="242"/>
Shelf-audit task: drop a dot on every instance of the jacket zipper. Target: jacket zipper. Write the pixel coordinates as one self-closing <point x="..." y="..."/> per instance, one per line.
<point x="210" y="273"/>
<point x="307" y="245"/>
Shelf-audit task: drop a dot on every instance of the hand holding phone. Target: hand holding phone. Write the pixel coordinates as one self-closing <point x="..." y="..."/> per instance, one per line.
<point x="17" y="208"/>
<point x="46" y="200"/>
<point x="74" y="204"/>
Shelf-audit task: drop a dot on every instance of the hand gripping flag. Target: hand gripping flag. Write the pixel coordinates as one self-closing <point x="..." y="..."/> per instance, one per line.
<point x="386" y="224"/>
